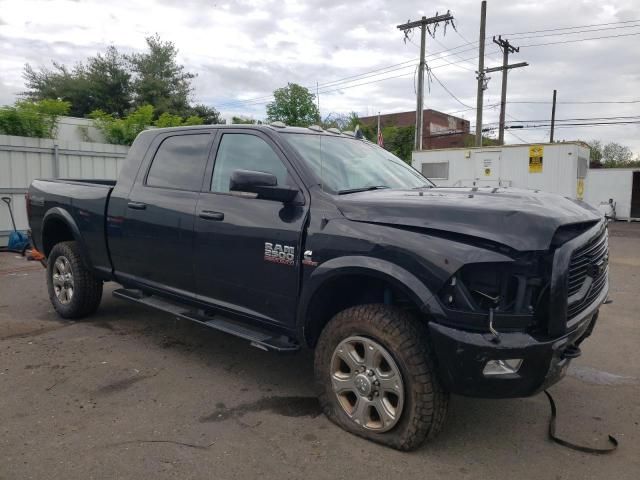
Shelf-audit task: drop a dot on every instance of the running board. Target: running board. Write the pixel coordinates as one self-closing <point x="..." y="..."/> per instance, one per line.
<point x="258" y="337"/>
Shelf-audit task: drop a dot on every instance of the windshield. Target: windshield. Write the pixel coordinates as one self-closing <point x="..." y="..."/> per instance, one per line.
<point x="348" y="165"/>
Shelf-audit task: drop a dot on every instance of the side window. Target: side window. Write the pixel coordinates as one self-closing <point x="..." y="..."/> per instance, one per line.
<point x="240" y="151"/>
<point x="180" y="162"/>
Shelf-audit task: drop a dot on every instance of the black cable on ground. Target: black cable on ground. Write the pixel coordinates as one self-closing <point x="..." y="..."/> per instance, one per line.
<point x="573" y="446"/>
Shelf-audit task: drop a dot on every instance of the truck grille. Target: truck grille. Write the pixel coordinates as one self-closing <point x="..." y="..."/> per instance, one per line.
<point x="588" y="270"/>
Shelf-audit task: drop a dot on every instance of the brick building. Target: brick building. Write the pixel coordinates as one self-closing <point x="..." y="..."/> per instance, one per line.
<point x="436" y="125"/>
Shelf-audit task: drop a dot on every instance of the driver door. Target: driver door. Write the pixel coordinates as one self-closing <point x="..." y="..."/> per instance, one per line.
<point x="234" y="232"/>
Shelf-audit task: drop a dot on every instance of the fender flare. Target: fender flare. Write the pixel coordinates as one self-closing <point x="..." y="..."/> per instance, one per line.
<point x="374" y="267"/>
<point x="58" y="213"/>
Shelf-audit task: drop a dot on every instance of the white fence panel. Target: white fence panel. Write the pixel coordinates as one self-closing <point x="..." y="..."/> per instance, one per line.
<point x="23" y="159"/>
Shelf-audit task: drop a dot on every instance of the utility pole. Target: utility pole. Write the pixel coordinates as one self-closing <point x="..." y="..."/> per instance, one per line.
<point x="553" y="116"/>
<point x="480" y="72"/>
<point x="423" y="24"/>
<point x="507" y="48"/>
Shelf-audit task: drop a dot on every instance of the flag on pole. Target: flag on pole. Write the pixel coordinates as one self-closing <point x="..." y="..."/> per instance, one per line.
<point x="380" y="139"/>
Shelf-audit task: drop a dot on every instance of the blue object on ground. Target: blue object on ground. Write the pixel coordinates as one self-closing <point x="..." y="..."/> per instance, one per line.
<point x="18" y="241"/>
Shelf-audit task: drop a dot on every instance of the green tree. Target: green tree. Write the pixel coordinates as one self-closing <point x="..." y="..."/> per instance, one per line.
<point x="610" y="155"/>
<point x="341" y="121"/>
<point x="159" y="80"/>
<point x="595" y="153"/>
<point x="469" y="141"/>
<point x="399" y="141"/>
<point x="293" y="105"/>
<point x="616" y="155"/>
<point x="209" y="115"/>
<point x="62" y="83"/>
<point x="117" y="84"/>
<point x="103" y="82"/>
<point x="32" y="119"/>
<point x="109" y="79"/>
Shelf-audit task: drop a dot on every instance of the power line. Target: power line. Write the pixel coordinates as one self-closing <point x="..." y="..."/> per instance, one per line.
<point x="576" y="32"/>
<point x="617" y="25"/>
<point x="267" y="99"/>
<point x="440" y="55"/>
<point x="518" y="137"/>
<point x="568" y="125"/>
<point x="570" y="102"/>
<point x="387" y="78"/>
<point x="450" y="51"/>
<point x="580" y="40"/>
<point x="449" y="91"/>
<point x="354" y="77"/>
<point x="569" y="28"/>
<point x="583" y="119"/>
<point x="388" y="69"/>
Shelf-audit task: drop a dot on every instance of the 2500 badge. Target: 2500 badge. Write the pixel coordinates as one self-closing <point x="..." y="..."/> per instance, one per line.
<point x="277" y="253"/>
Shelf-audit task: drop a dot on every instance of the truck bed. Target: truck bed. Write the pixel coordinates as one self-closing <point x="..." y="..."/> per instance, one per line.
<point x="85" y="202"/>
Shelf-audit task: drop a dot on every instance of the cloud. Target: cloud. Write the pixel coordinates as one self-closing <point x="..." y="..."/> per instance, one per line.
<point x="245" y="49"/>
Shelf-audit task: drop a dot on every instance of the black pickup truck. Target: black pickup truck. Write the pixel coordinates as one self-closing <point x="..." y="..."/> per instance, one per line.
<point x="302" y="237"/>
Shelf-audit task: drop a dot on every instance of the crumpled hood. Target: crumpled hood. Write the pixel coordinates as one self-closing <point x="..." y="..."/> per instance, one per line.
<point x="521" y="219"/>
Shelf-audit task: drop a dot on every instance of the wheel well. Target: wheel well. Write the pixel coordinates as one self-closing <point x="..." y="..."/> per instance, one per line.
<point x="55" y="231"/>
<point x="347" y="291"/>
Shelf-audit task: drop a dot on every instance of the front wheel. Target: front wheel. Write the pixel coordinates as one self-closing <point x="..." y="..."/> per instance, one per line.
<point x="376" y="377"/>
<point x="73" y="289"/>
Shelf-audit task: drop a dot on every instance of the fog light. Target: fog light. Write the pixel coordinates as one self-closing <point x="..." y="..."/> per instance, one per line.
<point x="502" y="367"/>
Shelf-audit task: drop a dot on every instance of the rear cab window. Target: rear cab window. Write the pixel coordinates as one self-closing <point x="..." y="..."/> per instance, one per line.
<point x="180" y="162"/>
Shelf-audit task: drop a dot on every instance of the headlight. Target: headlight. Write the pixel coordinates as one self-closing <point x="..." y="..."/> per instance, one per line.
<point x="511" y="292"/>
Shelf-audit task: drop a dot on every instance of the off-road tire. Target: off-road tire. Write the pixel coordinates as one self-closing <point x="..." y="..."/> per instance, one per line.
<point x="87" y="290"/>
<point x="405" y="338"/>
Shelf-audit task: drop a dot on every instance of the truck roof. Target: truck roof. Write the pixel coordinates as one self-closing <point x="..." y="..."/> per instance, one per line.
<point x="274" y="127"/>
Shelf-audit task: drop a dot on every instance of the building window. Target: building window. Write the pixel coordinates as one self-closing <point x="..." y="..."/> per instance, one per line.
<point x="436" y="171"/>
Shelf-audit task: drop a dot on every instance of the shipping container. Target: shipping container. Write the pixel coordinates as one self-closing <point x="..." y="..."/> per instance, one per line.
<point x="559" y="168"/>
<point x="617" y="187"/>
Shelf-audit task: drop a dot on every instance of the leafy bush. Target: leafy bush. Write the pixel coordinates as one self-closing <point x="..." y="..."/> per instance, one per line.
<point x="168" y="120"/>
<point x="32" y="119"/>
<point x="123" y="131"/>
<point x="241" y="120"/>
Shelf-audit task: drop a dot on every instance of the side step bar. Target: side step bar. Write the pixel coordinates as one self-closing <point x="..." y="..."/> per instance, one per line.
<point x="259" y="338"/>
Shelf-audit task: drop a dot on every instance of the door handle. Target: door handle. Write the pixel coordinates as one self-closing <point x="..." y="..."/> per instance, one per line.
<point x="210" y="215"/>
<point x="137" y="205"/>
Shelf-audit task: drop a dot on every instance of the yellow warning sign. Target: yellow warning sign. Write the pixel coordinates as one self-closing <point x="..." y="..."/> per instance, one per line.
<point x="536" y="153"/>
<point x="580" y="189"/>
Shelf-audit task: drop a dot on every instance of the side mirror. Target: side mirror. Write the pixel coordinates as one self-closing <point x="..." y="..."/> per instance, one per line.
<point x="265" y="185"/>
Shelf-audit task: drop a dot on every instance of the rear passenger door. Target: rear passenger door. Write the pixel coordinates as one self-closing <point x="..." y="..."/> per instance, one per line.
<point x="233" y="230"/>
<point x="158" y="227"/>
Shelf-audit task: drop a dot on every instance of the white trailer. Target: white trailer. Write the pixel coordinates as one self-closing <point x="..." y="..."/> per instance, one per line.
<point x="552" y="167"/>
<point x="619" y="187"/>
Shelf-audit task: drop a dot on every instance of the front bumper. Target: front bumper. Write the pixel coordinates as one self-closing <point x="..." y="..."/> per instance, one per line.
<point x="462" y="356"/>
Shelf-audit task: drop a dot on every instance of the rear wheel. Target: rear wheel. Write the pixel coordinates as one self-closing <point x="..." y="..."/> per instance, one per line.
<point x="376" y="377"/>
<point x="73" y="289"/>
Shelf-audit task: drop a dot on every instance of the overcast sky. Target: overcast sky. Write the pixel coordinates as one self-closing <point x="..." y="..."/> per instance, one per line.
<point x="245" y="49"/>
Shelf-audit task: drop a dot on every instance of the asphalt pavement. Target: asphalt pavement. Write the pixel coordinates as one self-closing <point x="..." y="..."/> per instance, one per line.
<point x="133" y="393"/>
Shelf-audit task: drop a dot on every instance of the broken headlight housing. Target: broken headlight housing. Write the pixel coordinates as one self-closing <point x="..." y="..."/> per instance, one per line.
<point x="505" y="296"/>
